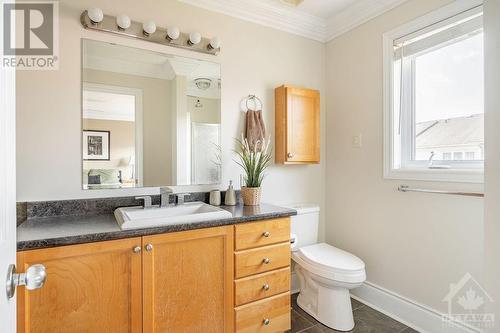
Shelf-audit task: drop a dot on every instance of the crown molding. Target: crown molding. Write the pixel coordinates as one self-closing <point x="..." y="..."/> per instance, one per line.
<point x="272" y="15"/>
<point x="297" y="22"/>
<point x="358" y="13"/>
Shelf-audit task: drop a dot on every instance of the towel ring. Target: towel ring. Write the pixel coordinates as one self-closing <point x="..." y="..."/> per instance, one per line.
<point x="254" y="99"/>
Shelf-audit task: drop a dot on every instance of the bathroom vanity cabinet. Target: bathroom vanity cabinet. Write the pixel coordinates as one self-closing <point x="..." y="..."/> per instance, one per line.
<point x="233" y="278"/>
<point x="297" y="125"/>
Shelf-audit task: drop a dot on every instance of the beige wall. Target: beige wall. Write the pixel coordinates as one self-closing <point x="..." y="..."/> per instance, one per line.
<point x="210" y="113"/>
<point x="412" y="244"/>
<point x="156" y="106"/>
<point x="492" y="172"/>
<point x="254" y="60"/>
<point x="122" y="144"/>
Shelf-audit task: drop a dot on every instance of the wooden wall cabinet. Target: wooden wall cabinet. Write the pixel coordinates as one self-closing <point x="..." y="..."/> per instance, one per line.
<point x="175" y="282"/>
<point x="297" y="125"/>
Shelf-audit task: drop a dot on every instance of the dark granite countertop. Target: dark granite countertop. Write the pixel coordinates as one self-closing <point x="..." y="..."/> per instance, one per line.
<point x="46" y="232"/>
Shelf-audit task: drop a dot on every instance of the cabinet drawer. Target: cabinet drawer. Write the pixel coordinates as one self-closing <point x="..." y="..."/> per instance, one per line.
<point x="269" y="315"/>
<point x="263" y="259"/>
<point x="250" y="235"/>
<point x="260" y="286"/>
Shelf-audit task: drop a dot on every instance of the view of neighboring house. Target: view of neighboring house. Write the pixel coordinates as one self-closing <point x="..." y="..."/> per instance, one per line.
<point x="460" y="138"/>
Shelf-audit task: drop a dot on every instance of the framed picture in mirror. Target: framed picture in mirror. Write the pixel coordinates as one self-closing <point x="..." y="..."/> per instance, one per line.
<point x="96" y="145"/>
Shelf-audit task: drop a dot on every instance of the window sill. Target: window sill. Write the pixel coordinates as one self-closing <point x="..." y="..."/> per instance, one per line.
<point x="437" y="175"/>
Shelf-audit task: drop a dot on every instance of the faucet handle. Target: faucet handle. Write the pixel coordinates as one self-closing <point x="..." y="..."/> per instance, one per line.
<point x="166" y="190"/>
<point x="147" y="201"/>
<point x="181" y="197"/>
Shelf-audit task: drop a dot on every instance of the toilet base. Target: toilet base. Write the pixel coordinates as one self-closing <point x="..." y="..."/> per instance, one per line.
<point x="327" y="303"/>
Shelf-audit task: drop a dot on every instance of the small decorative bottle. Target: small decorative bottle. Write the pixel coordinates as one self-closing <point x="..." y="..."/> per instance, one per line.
<point x="230" y="199"/>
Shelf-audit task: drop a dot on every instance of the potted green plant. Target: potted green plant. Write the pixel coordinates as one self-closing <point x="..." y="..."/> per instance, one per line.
<point x="254" y="159"/>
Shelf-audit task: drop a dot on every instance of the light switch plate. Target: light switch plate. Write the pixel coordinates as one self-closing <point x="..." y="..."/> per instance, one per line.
<point x="357" y="141"/>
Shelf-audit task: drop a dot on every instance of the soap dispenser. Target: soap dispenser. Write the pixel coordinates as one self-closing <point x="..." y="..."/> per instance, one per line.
<point x="230" y="199"/>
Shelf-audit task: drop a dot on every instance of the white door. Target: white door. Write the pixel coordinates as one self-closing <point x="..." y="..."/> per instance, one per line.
<point x="492" y="157"/>
<point x="7" y="193"/>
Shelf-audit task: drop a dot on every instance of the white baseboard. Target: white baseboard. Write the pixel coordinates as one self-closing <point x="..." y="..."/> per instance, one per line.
<point x="417" y="316"/>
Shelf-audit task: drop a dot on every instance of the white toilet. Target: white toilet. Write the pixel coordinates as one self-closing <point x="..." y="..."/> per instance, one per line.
<point x="325" y="273"/>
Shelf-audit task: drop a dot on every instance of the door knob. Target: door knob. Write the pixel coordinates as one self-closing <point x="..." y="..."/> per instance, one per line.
<point x="290" y="155"/>
<point x="34" y="278"/>
<point x="149" y="247"/>
<point x="137" y="249"/>
<point x="266" y="321"/>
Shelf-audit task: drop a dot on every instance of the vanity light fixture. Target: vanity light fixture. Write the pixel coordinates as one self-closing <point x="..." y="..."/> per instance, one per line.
<point x="194" y="38"/>
<point x="123" y="22"/>
<point x="123" y="25"/>
<point x="173" y="33"/>
<point x="203" y="83"/>
<point x="95" y="15"/>
<point x="148" y="28"/>
<point x="214" y="43"/>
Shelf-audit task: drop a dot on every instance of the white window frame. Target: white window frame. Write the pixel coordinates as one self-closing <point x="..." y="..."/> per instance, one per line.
<point x="394" y="144"/>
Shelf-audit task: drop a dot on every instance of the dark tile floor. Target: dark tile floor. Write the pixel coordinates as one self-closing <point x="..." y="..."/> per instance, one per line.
<point x="367" y="320"/>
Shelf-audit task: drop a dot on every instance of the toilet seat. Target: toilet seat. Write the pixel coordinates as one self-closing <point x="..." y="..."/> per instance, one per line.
<point x="331" y="263"/>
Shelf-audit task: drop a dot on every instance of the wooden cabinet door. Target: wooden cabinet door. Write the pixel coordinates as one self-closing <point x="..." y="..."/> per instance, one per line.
<point x="302" y="112"/>
<point x="93" y="287"/>
<point x="188" y="281"/>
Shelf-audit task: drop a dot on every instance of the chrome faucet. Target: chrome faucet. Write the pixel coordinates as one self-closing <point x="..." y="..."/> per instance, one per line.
<point x="165" y="193"/>
<point x="181" y="198"/>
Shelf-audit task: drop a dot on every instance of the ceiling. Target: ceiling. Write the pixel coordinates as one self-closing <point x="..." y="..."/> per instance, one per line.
<point x="320" y="20"/>
<point x="115" y="58"/>
<point x="320" y="8"/>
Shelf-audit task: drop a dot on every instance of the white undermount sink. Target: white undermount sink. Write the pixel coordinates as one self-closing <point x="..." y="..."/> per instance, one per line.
<point x="138" y="217"/>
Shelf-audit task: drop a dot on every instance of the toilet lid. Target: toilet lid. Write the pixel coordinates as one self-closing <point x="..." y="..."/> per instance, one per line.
<point x="331" y="258"/>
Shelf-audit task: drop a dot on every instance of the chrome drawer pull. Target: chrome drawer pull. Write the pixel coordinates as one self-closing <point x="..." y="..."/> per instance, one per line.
<point x="149" y="247"/>
<point x="265" y="287"/>
<point x="266" y="321"/>
<point x="266" y="261"/>
<point x="137" y="249"/>
<point x="266" y="234"/>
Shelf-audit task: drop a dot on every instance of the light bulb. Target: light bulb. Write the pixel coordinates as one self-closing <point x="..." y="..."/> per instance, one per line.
<point x="148" y="28"/>
<point x="123" y="21"/>
<point x="214" y="43"/>
<point x="173" y="33"/>
<point x="194" y="38"/>
<point x="95" y="15"/>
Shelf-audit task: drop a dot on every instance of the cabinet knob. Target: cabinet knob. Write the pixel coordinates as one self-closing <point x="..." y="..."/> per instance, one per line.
<point x="290" y="155"/>
<point x="266" y="261"/>
<point x="265" y="287"/>
<point x="137" y="249"/>
<point x="149" y="247"/>
<point x="266" y="234"/>
<point x="266" y="321"/>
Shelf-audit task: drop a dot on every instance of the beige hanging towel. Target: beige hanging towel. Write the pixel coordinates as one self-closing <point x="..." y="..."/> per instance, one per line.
<point x="255" y="128"/>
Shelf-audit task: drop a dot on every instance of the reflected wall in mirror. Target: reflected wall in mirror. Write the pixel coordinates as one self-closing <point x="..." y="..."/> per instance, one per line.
<point x="148" y="119"/>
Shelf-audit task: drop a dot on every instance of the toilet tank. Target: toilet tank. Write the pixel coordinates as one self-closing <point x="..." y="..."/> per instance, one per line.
<point x="305" y="224"/>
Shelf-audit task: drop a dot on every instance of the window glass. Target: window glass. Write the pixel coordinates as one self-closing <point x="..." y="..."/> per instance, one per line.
<point x="449" y="103"/>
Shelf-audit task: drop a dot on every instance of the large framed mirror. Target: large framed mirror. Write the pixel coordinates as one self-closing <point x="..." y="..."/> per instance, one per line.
<point x="148" y="119"/>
